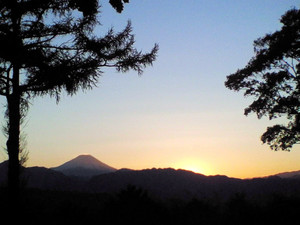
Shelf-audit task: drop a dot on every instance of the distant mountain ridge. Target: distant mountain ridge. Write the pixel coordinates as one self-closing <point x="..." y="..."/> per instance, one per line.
<point x="84" y="166"/>
<point x="171" y="183"/>
<point x="162" y="183"/>
<point x="293" y="174"/>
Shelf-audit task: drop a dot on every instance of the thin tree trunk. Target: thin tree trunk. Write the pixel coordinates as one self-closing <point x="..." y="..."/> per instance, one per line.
<point x="13" y="142"/>
<point x="14" y="113"/>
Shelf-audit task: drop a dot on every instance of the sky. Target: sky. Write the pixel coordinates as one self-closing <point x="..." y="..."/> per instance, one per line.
<point x="178" y="113"/>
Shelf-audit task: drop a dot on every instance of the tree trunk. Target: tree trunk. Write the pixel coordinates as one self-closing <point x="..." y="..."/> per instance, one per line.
<point x="13" y="142"/>
<point x="14" y="115"/>
<point x="13" y="145"/>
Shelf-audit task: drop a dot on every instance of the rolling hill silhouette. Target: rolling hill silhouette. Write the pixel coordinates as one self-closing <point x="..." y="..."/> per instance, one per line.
<point x="160" y="183"/>
<point x="293" y="174"/>
<point x="42" y="178"/>
<point x="171" y="183"/>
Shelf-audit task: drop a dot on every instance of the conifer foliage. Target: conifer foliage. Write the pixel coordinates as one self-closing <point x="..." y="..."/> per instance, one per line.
<point x="47" y="47"/>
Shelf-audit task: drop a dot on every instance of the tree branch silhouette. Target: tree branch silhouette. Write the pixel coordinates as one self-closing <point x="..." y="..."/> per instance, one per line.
<point x="272" y="77"/>
<point x="49" y="47"/>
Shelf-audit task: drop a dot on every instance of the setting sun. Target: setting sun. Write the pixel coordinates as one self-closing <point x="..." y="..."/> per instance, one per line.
<point x="194" y="166"/>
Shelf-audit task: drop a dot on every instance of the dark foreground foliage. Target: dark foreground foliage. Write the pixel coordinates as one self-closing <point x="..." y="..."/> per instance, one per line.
<point x="135" y="206"/>
<point x="272" y="79"/>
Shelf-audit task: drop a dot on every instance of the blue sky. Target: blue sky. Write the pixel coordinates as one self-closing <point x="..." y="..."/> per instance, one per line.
<point x="178" y="113"/>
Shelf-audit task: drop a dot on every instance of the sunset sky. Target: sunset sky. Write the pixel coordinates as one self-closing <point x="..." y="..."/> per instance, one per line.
<point x="178" y="113"/>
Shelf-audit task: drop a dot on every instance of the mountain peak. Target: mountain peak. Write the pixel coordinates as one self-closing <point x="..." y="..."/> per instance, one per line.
<point x="84" y="165"/>
<point x="85" y="158"/>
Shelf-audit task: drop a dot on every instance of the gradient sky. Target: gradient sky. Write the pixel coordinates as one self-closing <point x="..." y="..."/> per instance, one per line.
<point x="178" y="113"/>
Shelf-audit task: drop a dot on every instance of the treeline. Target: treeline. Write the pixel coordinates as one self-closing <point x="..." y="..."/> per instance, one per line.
<point x="135" y="206"/>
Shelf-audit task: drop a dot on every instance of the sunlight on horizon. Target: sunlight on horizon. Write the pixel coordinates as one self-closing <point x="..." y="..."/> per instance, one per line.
<point x="194" y="166"/>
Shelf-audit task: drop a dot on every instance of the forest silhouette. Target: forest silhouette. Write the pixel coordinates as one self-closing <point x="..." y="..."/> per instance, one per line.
<point x="133" y="205"/>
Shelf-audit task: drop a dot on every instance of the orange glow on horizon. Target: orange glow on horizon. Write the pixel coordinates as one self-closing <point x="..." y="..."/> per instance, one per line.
<point x="194" y="166"/>
<point x="193" y="169"/>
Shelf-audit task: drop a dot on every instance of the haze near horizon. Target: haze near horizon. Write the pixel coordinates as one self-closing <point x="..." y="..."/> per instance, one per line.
<point x="178" y="113"/>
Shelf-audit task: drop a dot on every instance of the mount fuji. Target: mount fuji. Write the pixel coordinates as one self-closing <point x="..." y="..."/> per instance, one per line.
<point x="84" y="166"/>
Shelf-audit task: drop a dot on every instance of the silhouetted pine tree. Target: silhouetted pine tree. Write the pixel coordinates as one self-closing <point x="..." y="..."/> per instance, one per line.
<point x="47" y="47"/>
